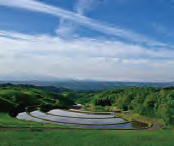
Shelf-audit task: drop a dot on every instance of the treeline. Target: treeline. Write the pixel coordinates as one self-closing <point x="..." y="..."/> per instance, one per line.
<point x="151" y="102"/>
<point x="15" y="98"/>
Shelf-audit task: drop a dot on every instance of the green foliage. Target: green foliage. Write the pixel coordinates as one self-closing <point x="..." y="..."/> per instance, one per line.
<point x="17" y="96"/>
<point x="97" y="108"/>
<point x="79" y="97"/>
<point x="148" y="101"/>
<point x="5" y="105"/>
<point x="164" y="113"/>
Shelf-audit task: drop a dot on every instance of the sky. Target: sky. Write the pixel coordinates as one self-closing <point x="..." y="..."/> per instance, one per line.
<point x="108" y="40"/>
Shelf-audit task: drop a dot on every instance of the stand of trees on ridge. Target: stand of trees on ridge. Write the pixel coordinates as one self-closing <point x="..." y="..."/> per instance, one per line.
<point x="148" y="101"/>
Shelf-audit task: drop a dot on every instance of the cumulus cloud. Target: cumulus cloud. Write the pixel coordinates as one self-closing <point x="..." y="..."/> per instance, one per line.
<point x="82" y="58"/>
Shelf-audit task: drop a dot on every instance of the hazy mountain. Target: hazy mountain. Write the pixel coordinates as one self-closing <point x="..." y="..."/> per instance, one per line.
<point x="88" y="85"/>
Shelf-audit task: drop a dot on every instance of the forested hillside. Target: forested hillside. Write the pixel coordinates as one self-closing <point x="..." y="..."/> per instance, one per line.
<point x="151" y="102"/>
<point x="15" y="98"/>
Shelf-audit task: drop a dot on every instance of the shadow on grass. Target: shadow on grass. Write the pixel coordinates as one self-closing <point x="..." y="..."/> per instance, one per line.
<point x="172" y="121"/>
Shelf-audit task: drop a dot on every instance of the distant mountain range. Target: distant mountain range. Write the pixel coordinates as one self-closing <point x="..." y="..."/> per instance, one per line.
<point x="46" y="88"/>
<point x="84" y="85"/>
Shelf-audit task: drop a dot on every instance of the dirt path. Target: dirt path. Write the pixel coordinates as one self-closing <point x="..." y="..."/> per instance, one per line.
<point x="155" y="126"/>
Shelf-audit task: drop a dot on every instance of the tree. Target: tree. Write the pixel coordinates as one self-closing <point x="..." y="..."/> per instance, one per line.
<point x="164" y="113"/>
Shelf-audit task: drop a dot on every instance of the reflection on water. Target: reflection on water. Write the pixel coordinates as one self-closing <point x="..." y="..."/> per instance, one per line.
<point x="75" y="114"/>
<point x="92" y="122"/>
<point x="77" y="120"/>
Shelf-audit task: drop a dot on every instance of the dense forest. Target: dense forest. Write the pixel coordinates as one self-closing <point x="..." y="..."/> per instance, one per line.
<point x="148" y="101"/>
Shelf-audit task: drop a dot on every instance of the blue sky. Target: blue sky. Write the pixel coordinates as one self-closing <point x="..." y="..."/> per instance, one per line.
<point x="120" y="40"/>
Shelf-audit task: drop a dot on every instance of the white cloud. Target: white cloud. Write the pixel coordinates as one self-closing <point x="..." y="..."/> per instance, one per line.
<point x="37" y="6"/>
<point x="67" y="28"/>
<point x="85" y="5"/>
<point x="82" y="58"/>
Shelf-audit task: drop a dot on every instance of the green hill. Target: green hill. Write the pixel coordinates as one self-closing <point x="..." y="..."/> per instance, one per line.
<point x="16" y="98"/>
<point x="147" y="101"/>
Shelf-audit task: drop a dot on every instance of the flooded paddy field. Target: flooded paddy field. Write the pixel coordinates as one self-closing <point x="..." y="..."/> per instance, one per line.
<point x="81" y="120"/>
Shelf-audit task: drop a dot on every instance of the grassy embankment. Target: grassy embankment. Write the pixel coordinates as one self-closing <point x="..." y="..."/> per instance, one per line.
<point x="87" y="137"/>
<point x="7" y="121"/>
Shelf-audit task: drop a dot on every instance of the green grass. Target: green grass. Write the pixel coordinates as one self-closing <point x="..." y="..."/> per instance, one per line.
<point x="74" y="137"/>
<point x="9" y="92"/>
<point x="7" y="121"/>
<point x="87" y="137"/>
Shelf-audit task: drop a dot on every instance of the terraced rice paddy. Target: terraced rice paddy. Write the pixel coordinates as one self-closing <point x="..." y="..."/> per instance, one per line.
<point x="83" y="120"/>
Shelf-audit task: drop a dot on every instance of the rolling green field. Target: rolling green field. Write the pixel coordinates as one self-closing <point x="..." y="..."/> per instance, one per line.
<point x="87" y="137"/>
